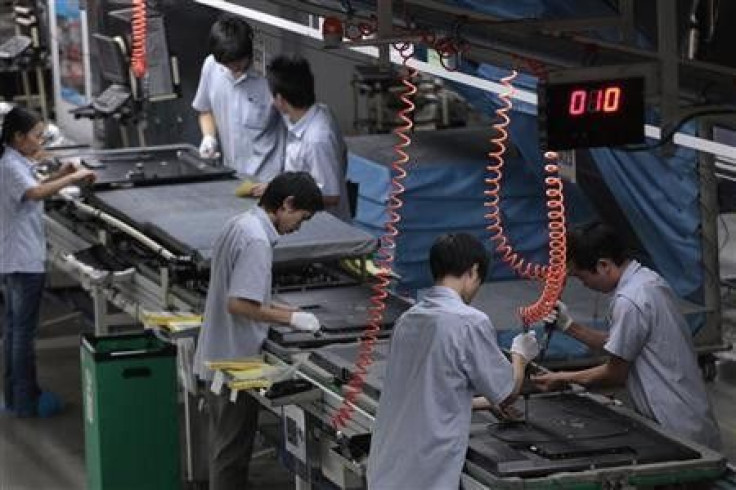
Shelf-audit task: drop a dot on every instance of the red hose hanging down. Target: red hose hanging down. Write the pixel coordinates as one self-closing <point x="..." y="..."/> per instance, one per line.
<point x="493" y="182"/>
<point x="554" y="273"/>
<point x="386" y="250"/>
<point x="138" y="58"/>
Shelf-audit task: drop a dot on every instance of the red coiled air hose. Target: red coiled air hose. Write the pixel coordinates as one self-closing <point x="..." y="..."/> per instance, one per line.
<point x="554" y="273"/>
<point x="493" y="183"/>
<point x="138" y="59"/>
<point x="386" y="250"/>
<point x="554" y="281"/>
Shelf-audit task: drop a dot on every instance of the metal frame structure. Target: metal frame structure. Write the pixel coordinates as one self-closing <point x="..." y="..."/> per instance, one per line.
<point x="323" y="450"/>
<point x="504" y="42"/>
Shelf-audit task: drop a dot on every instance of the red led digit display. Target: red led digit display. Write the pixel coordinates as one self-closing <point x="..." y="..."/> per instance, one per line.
<point x="592" y="113"/>
<point x="606" y="99"/>
<point x="577" y="102"/>
<point x="612" y="99"/>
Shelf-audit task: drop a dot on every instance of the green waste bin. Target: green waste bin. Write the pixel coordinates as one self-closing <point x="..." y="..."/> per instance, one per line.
<point x="131" y="428"/>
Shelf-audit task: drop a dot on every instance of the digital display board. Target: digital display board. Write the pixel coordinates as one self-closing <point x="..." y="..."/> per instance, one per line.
<point x="593" y="113"/>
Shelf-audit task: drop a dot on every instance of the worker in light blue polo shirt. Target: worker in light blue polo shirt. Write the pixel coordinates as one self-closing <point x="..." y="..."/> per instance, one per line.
<point x="314" y="142"/>
<point x="443" y="352"/>
<point x="650" y="345"/>
<point x="235" y="105"/>
<point x="22" y="257"/>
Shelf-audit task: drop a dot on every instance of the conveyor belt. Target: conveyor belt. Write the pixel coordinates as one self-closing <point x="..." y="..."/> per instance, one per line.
<point x="569" y="432"/>
<point x="189" y="217"/>
<point x="566" y="433"/>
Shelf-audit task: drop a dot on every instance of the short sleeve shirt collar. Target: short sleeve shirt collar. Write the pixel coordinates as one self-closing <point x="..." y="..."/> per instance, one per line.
<point x="626" y="277"/>
<point x="271" y="233"/>
<point x="229" y="75"/>
<point x="443" y="294"/>
<point x="297" y="129"/>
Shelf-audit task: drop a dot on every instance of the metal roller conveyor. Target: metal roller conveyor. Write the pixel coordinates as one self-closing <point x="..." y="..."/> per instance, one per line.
<point x="570" y="438"/>
<point x="573" y="438"/>
<point x="159" y="210"/>
<point x="567" y="432"/>
<point x="189" y="217"/>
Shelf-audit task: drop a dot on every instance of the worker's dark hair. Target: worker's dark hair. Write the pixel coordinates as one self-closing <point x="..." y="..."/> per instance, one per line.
<point x="291" y="77"/>
<point x="18" y="120"/>
<point x="301" y="185"/>
<point x="587" y="244"/>
<point x="231" y="39"/>
<point x="453" y="254"/>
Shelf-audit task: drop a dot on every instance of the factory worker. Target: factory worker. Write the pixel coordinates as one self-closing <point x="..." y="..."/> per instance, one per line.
<point x="234" y="104"/>
<point x="22" y="257"/>
<point x="649" y="344"/>
<point x="442" y="353"/>
<point x="314" y="142"/>
<point x="238" y="311"/>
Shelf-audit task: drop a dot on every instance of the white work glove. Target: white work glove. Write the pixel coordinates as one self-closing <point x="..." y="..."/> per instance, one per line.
<point x="560" y="316"/>
<point x="306" y="322"/>
<point x="525" y="344"/>
<point x="208" y="146"/>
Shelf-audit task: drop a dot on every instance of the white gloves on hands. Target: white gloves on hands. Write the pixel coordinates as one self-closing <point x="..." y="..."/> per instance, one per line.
<point x="560" y="316"/>
<point x="208" y="146"/>
<point x="306" y="322"/>
<point x="525" y="344"/>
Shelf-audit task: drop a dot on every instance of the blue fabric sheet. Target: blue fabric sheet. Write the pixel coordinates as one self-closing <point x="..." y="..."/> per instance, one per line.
<point x="444" y="193"/>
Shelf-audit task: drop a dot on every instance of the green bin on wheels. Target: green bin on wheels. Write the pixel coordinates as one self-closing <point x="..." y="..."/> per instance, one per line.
<point x="131" y="428"/>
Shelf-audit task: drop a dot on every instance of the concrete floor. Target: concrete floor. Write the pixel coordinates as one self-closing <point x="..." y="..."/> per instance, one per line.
<point x="48" y="454"/>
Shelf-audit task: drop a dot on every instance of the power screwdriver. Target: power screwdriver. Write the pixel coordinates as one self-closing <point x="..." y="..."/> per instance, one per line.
<point x="549" y="328"/>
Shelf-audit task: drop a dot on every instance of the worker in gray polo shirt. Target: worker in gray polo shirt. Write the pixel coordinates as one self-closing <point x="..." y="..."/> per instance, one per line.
<point x="443" y="352"/>
<point x="238" y="312"/>
<point x="235" y="104"/>
<point x="650" y="345"/>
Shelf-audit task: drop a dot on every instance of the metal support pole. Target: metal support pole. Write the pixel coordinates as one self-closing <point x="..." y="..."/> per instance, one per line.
<point x="165" y="287"/>
<point x="188" y="456"/>
<point x="27" y="96"/>
<point x="99" y="305"/>
<point x="628" y="31"/>
<point x="123" y="135"/>
<point x="385" y="30"/>
<point x="711" y="333"/>
<point x="668" y="60"/>
<point x="140" y="126"/>
<point x="42" y="93"/>
<point x="302" y="484"/>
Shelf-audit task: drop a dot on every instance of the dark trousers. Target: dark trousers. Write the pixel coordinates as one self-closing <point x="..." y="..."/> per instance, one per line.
<point x="232" y="432"/>
<point x="23" y="293"/>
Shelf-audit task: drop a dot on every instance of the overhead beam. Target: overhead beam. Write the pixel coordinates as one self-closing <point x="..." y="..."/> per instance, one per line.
<point x="525" y="24"/>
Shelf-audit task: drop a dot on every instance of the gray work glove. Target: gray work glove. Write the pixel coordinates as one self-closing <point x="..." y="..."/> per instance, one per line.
<point x="208" y="146"/>
<point x="306" y="322"/>
<point x="560" y="316"/>
<point x="525" y="344"/>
